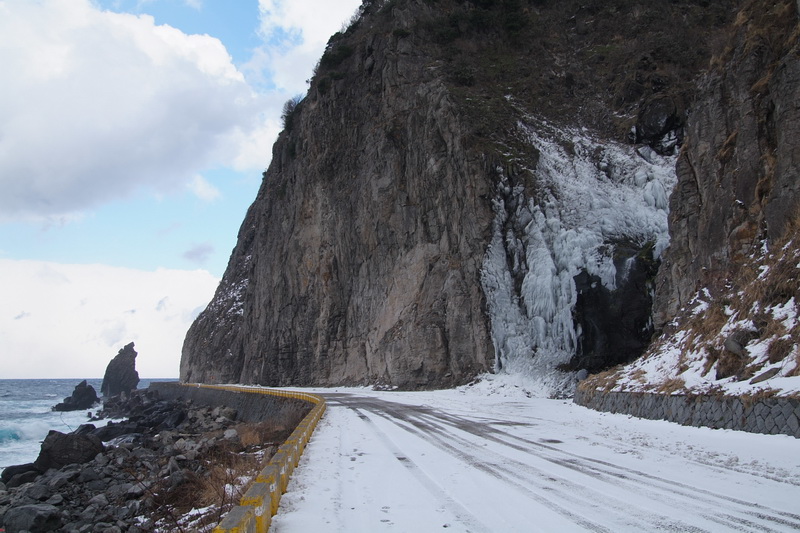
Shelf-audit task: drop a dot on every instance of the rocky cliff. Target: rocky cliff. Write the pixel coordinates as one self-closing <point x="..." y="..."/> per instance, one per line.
<point x="728" y="290"/>
<point x="359" y="261"/>
<point x="483" y="185"/>
<point x="738" y="181"/>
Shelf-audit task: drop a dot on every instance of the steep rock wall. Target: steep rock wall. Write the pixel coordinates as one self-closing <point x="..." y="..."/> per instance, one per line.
<point x="446" y="155"/>
<point x="359" y="260"/>
<point x="738" y="172"/>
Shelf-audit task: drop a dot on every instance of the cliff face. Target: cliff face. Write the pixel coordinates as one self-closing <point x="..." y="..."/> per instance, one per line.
<point x="728" y="290"/>
<point x="738" y="181"/>
<point x="359" y="260"/>
<point x="457" y="193"/>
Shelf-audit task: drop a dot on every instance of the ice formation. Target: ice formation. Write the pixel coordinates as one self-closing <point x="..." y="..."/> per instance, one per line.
<point x="589" y="195"/>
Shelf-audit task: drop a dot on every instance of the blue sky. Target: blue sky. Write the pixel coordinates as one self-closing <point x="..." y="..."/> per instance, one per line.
<point x="133" y="136"/>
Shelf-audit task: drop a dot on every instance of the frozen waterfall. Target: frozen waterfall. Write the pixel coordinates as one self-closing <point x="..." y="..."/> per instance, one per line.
<point x="589" y="196"/>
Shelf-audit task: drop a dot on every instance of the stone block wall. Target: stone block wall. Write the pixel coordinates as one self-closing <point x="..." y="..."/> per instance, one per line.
<point x="766" y="415"/>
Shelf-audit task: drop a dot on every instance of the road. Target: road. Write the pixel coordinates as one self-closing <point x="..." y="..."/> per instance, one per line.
<point x="465" y="461"/>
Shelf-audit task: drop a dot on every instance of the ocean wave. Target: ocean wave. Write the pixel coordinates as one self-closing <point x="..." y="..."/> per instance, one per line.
<point x="8" y="435"/>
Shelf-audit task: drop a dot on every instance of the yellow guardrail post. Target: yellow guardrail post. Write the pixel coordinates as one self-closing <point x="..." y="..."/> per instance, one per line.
<point x="238" y="520"/>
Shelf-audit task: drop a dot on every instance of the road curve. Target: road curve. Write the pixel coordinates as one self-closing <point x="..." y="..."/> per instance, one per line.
<point x="440" y="461"/>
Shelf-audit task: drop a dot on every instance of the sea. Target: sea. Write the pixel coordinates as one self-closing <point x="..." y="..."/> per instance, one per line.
<point x="26" y="414"/>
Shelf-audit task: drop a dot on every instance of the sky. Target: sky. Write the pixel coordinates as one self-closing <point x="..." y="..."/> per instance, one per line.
<point x="133" y="137"/>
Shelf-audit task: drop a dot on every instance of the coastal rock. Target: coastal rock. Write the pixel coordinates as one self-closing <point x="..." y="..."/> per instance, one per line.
<point x="121" y="375"/>
<point x="139" y="483"/>
<point x="23" y="478"/>
<point x="83" y="397"/>
<point x="61" y="449"/>
<point x="38" y="517"/>
<point x="15" y="470"/>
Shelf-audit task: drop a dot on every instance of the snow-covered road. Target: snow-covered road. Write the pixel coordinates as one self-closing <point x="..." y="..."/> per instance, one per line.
<point x="489" y="458"/>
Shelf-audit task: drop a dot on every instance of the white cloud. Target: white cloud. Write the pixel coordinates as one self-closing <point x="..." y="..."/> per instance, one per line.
<point x="295" y="35"/>
<point x="101" y="104"/>
<point x="77" y="317"/>
<point x="200" y="187"/>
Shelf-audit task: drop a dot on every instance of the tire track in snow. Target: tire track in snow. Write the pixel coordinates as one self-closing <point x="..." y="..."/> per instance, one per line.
<point x="427" y="423"/>
<point x="462" y="514"/>
<point x="578" y="463"/>
<point x="535" y="483"/>
<point x="580" y="494"/>
<point x="759" y="511"/>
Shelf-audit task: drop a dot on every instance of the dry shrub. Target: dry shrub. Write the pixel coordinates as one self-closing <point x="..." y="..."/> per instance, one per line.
<point x="796" y="371"/>
<point x="671" y="385"/>
<point x="749" y="372"/>
<point x="262" y="433"/>
<point x="604" y="381"/>
<point x="638" y="375"/>
<point x="729" y="364"/>
<point x="748" y="400"/>
<point x="221" y="483"/>
<point x="709" y="323"/>
<point x="779" y="349"/>
<point x="218" y="484"/>
<point x="713" y="357"/>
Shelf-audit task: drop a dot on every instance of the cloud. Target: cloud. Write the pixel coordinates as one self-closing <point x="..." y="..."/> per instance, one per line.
<point x="22" y="315"/>
<point x="295" y="35"/>
<point x="204" y="190"/>
<point x="74" y="328"/>
<point x="104" y="104"/>
<point x="199" y="253"/>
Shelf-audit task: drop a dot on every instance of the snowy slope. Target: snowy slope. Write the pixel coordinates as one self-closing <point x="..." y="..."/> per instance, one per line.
<point x="491" y="457"/>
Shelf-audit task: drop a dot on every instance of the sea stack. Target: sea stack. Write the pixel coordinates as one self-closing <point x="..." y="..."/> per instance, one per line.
<point x="121" y="375"/>
<point x="83" y="397"/>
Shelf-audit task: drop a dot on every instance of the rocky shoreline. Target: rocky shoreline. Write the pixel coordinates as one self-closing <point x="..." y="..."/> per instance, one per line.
<point x="159" y="465"/>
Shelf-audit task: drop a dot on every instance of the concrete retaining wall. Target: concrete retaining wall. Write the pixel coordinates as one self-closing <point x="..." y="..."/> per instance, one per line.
<point x="250" y="407"/>
<point x="260" y="503"/>
<point x="766" y="415"/>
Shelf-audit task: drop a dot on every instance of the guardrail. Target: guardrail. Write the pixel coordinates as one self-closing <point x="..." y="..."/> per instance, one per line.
<point x="260" y="503"/>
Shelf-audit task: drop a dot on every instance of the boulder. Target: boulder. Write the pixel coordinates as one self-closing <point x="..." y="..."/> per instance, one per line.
<point x="23" y="478"/>
<point x="38" y="517"/>
<point x="83" y="397"/>
<point x="15" y="470"/>
<point x="61" y="449"/>
<point x="121" y="375"/>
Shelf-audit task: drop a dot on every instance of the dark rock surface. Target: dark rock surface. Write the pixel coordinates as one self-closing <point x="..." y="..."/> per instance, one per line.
<point x="737" y="174"/>
<point x="121" y="375"/>
<point x="12" y="471"/>
<point x="83" y="397"/>
<point x="615" y="325"/>
<point x="35" y="517"/>
<point x="61" y="449"/>
<point x="660" y="125"/>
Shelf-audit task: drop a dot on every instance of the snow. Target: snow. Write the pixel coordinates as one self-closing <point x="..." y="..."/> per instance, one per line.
<point x="494" y="457"/>
<point x="676" y="358"/>
<point x="589" y="195"/>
